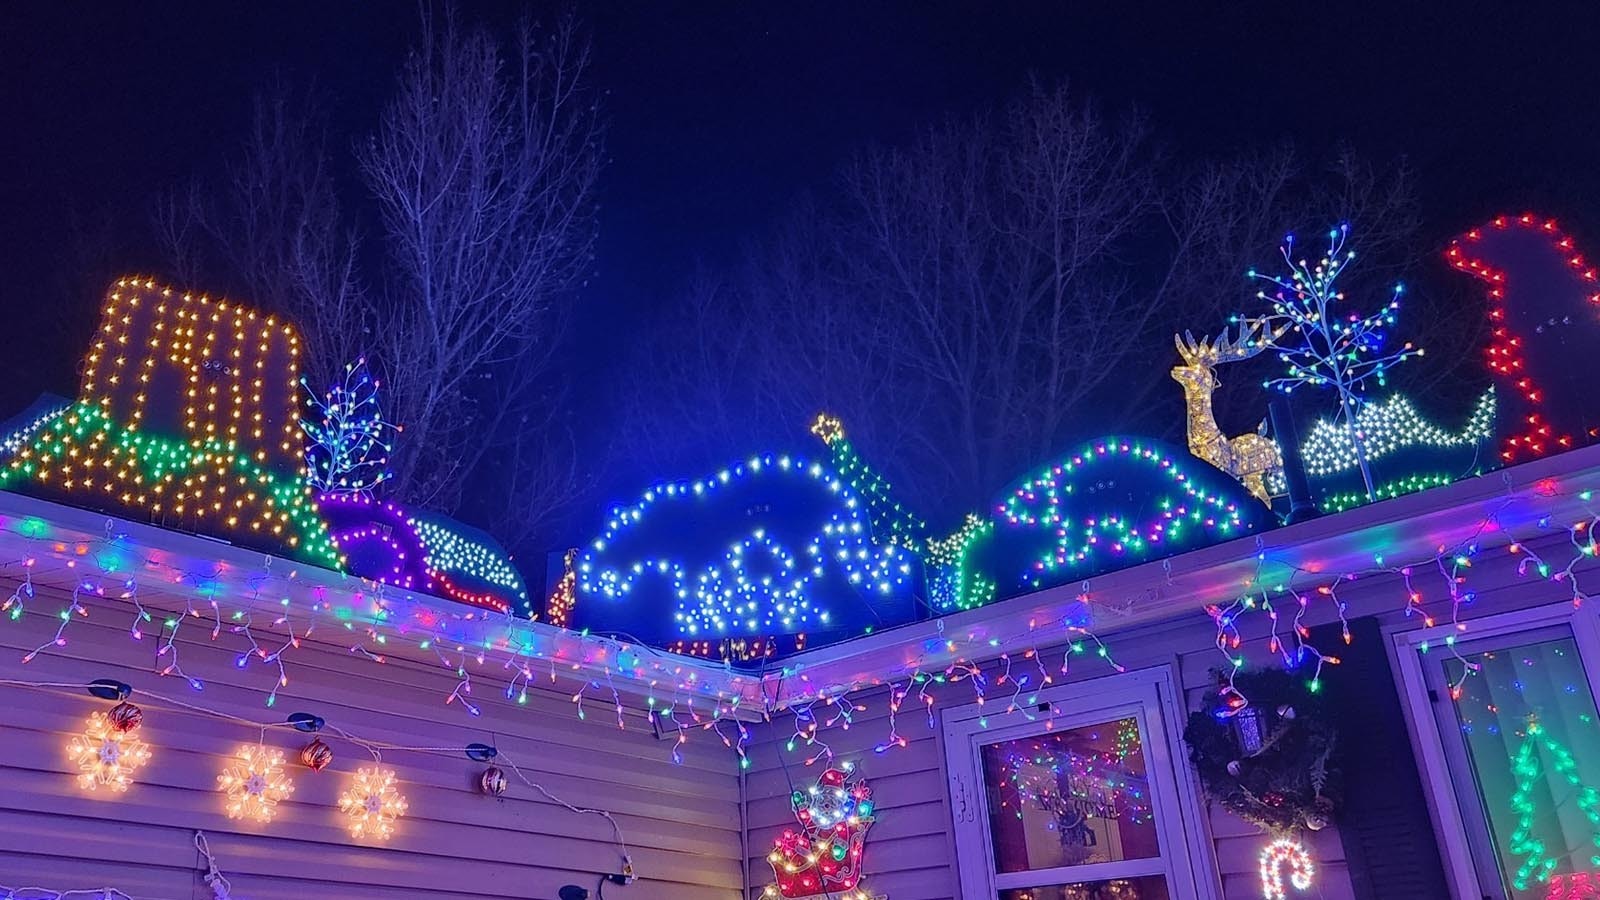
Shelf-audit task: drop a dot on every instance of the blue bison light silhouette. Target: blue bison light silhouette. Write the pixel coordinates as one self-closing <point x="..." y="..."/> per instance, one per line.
<point x="1117" y="501"/>
<point x="773" y="546"/>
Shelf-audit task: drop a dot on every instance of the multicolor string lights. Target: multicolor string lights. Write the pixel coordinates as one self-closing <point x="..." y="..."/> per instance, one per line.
<point x="383" y="541"/>
<point x="1120" y="499"/>
<point x="112" y="576"/>
<point x="204" y="481"/>
<point x="216" y="375"/>
<point x="1320" y="344"/>
<point x="891" y="522"/>
<point x="825" y="855"/>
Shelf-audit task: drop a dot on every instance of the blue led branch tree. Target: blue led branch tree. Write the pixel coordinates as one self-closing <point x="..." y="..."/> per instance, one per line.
<point x="347" y="451"/>
<point x="1321" y="344"/>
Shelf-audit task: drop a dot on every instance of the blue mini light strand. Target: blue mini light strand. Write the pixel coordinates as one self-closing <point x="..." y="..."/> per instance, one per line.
<point x="759" y="584"/>
<point x="347" y="449"/>
<point x="1320" y="345"/>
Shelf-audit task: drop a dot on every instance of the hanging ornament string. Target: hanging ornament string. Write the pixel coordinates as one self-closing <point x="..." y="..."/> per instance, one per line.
<point x="372" y="746"/>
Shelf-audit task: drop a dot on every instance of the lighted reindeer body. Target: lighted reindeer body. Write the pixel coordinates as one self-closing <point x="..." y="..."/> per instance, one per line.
<point x="1251" y="458"/>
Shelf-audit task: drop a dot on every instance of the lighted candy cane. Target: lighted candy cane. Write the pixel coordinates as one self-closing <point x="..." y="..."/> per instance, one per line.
<point x="1280" y="851"/>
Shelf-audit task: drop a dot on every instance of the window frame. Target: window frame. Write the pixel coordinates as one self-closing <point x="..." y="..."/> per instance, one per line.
<point x="1150" y="696"/>
<point x="1454" y="826"/>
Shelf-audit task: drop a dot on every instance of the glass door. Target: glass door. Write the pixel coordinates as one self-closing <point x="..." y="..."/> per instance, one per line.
<point x="1080" y="804"/>
<point x="1521" y="741"/>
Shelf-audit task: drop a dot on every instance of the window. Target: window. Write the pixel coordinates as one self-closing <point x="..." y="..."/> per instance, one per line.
<point x="1509" y="737"/>
<point x="1084" y="803"/>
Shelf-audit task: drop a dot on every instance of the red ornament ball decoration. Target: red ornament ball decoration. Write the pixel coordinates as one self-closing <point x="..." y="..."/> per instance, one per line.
<point x="316" y="755"/>
<point x="493" y="782"/>
<point x="125" y="717"/>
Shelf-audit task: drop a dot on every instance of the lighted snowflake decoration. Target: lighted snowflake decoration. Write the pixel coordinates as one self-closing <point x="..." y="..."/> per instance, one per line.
<point x="255" y="783"/>
<point x="372" y="803"/>
<point x="106" y="756"/>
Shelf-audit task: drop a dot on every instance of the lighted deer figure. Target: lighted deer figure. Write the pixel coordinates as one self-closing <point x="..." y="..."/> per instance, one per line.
<point x="1251" y="458"/>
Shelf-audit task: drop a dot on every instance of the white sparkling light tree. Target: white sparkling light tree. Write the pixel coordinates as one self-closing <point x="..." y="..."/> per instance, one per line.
<point x="347" y="451"/>
<point x="1321" y="344"/>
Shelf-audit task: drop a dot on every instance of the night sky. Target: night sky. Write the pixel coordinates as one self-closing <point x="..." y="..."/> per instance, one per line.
<point x="721" y="113"/>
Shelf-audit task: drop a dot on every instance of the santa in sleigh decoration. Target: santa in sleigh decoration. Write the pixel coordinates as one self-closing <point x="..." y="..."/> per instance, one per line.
<point x="823" y="858"/>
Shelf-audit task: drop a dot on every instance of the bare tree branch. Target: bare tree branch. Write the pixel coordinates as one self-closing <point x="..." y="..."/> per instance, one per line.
<point x="273" y="233"/>
<point x="484" y="170"/>
<point x="972" y="302"/>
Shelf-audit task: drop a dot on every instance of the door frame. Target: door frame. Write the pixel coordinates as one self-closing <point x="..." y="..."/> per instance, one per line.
<point x="1152" y="695"/>
<point x="1405" y="659"/>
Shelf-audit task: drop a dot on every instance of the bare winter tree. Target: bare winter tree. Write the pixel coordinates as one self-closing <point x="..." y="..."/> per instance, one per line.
<point x="484" y="168"/>
<point x="690" y="397"/>
<point x="971" y="303"/>
<point x="273" y="234"/>
<point x="990" y="256"/>
<point x="746" y="356"/>
<point x="955" y="301"/>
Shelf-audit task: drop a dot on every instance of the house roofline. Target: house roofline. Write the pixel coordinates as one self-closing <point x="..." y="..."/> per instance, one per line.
<point x="1309" y="553"/>
<point x="179" y="566"/>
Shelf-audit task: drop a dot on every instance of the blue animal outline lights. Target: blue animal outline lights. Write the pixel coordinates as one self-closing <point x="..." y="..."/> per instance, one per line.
<point x="766" y="577"/>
